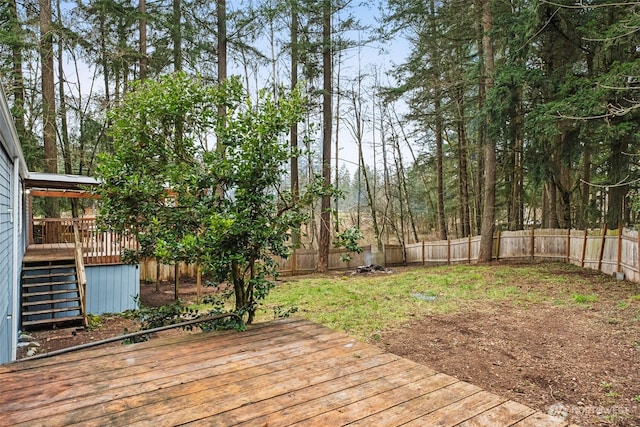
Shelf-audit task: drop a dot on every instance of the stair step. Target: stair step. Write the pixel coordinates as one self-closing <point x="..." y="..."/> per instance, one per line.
<point x="41" y="293"/>
<point x="49" y="301"/>
<point x="27" y="323"/>
<point x="47" y="267"/>
<point x="44" y="276"/>
<point x="50" y="311"/>
<point x="36" y="285"/>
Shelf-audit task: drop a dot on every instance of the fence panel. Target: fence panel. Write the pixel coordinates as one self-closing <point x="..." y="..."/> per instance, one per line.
<point x="614" y="252"/>
<point x="630" y="260"/>
<point x="514" y="244"/>
<point x="460" y="250"/>
<point x="550" y="244"/>
<point x="415" y="253"/>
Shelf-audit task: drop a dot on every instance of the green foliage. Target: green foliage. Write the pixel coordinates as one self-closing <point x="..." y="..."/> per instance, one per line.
<point x="348" y="239"/>
<point x="584" y="299"/>
<point x="185" y="202"/>
<point x="94" y="322"/>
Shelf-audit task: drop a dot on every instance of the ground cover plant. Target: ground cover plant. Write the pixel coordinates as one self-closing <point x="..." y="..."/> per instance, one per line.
<point x="551" y="335"/>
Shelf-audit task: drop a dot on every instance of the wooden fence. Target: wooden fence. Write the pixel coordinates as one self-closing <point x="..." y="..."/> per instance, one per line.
<point x="302" y="261"/>
<point x="611" y="252"/>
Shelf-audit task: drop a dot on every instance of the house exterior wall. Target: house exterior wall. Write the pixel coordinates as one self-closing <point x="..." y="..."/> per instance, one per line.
<point x="112" y="288"/>
<point x="6" y="258"/>
<point x="13" y="171"/>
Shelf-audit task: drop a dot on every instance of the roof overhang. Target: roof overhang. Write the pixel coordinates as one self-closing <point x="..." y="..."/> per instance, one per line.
<point x="42" y="184"/>
<point x="54" y="181"/>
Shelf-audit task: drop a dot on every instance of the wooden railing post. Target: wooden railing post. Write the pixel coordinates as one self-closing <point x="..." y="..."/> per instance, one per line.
<point x="81" y="274"/>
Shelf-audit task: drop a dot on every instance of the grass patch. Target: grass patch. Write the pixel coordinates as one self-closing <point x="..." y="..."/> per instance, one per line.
<point x="364" y="305"/>
<point x="584" y="299"/>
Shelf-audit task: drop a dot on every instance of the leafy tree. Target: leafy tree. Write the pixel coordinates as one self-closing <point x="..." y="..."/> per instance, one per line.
<point x="164" y="188"/>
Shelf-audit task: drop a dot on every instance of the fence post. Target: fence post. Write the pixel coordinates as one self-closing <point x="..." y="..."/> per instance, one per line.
<point x="498" y="245"/>
<point x="568" y="246"/>
<point x="533" y="242"/>
<point x="384" y="254"/>
<point x="423" y="253"/>
<point x="448" y="251"/>
<point x="584" y="247"/>
<point x="619" y="260"/>
<point x="294" y="261"/>
<point x="638" y="253"/>
<point x="604" y="239"/>
<point x="469" y="248"/>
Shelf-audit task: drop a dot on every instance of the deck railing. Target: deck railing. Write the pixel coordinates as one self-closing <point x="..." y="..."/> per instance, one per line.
<point x="98" y="247"/>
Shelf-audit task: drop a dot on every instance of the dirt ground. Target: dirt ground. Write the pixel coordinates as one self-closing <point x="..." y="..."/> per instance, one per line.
<point x="581" y="362"/>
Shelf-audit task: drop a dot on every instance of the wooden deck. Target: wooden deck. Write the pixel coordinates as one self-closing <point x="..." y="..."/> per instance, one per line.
<point x="46" y="252"/>
<point x="278" y="373"/>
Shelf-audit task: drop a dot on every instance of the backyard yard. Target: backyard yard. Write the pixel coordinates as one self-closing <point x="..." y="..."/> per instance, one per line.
<point x="553" y="336"/>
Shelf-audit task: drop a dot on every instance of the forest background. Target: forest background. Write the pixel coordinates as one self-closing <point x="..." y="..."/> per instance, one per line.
<point x="435" y="119"/>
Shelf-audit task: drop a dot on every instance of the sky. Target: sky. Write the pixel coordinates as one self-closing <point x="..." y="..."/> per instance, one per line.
<point x="371" y="58"/>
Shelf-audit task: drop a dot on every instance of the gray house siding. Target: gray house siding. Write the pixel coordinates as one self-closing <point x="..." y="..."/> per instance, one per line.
<point x="112" y="288"/>
<point x="6" y="258"/>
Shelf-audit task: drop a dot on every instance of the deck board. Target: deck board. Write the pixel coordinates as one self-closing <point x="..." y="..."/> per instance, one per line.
<point x="280" y="373"/>
<point x="45" y="252"/>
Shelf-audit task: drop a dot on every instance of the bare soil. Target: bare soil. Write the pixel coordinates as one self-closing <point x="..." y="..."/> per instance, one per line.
<point x="580" y="361"/>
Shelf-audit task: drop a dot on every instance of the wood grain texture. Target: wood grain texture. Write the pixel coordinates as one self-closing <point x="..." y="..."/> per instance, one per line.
<point x="280" y="373"/>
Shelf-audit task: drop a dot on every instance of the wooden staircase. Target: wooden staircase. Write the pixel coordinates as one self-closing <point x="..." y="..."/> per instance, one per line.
<point x="50" y="294"/>
<point x="53" y="288"/>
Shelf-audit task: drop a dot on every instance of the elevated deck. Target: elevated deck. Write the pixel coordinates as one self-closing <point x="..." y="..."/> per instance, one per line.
<point x="45" y="252"/>
<point x="278" y="373"/>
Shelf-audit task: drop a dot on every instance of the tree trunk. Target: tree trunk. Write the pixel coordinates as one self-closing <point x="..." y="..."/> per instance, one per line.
<point x="618" y="173"/>
<point x="583" y="216"/>
<point x="17" y="76"/>
<point x="463" y="183"/>
<point x="325" y="203"/>
<point x="488" y="211"/>
<point x="482" y="133"/>
<point x="336" y="225"/>
<point x="67" y="154"/>
<point x="442" y="222"/>
<point x="142" y="9"/>
<point x="176" y="35"/>
<point x="293" y="173"/>
<point x="221" y="12"/>
<point x="552" y="199"/>
<point x="48" y="101"/>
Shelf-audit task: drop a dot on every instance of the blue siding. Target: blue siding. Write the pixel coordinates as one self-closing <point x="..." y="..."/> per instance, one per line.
<point x="6" y="258"/>
<point x="112" y="288"/>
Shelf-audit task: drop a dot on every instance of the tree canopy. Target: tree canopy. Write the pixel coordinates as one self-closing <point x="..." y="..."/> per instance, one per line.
<point x="159" y="183"/>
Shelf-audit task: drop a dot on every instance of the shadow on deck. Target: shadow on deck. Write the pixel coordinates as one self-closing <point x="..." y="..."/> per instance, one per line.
<point x="278" y="373"/>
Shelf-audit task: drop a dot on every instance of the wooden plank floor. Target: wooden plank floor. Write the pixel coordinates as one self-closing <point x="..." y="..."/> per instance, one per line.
<point x="49" y="252"/>
<point x="280" y="373"/>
